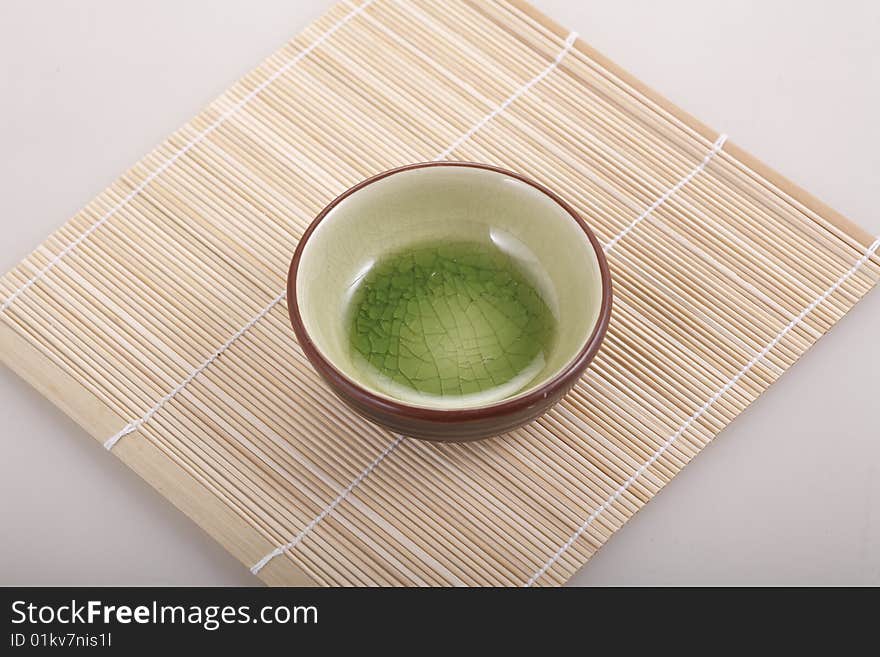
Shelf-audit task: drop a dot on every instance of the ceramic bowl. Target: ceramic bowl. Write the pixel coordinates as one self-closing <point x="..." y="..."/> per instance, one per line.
<point x="439" y="203"/>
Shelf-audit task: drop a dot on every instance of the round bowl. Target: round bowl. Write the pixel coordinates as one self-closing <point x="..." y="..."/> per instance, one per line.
<point x="439" y="203"/>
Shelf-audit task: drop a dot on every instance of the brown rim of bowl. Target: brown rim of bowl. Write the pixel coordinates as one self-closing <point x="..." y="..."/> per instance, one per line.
<point x="560" y="382"/>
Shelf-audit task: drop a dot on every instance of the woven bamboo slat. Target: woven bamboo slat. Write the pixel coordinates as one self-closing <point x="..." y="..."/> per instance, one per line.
<point x="156" y="318"/>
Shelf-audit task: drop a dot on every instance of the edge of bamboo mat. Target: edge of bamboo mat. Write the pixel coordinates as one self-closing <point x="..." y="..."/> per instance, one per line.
<point x="164" y="475"/>
<point x="737" y="152"/>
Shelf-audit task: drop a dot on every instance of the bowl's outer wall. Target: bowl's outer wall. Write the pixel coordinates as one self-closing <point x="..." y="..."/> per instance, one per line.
<point x="455" y="431"/>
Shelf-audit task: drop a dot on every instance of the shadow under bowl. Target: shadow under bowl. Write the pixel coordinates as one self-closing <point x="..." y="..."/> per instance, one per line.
<point x="470" y="214"/>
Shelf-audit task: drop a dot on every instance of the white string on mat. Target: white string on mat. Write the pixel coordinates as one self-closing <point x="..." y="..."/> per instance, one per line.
<point x="700" y="411"/>
<point x="716" y="148"/>
<point x="569" y="43"/>
<point x="183" y="151"/>
<point x="257" y="567"/>
<point x="135" y="424"/>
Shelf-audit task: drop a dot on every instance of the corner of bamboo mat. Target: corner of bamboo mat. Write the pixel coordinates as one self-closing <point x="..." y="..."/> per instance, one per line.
<point x="165" y="476"/>
<point x="825" y="211"/>
<point x="787" y="186"/>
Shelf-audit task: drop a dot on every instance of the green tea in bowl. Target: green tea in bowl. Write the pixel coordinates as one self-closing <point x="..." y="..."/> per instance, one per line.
<point x="448" y="323"/>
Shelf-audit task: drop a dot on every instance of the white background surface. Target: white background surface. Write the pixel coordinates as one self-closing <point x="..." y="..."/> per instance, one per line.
<point x="790" y="493"/>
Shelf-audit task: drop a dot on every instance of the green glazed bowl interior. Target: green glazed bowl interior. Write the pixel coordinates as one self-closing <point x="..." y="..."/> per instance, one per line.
<point x="446" y="203"/>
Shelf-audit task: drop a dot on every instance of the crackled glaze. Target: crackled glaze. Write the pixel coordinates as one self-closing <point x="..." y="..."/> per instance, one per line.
<point x="449" y="323"/>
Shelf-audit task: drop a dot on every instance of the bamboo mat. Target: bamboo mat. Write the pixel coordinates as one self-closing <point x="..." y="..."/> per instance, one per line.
<point x="155" y="317"/>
